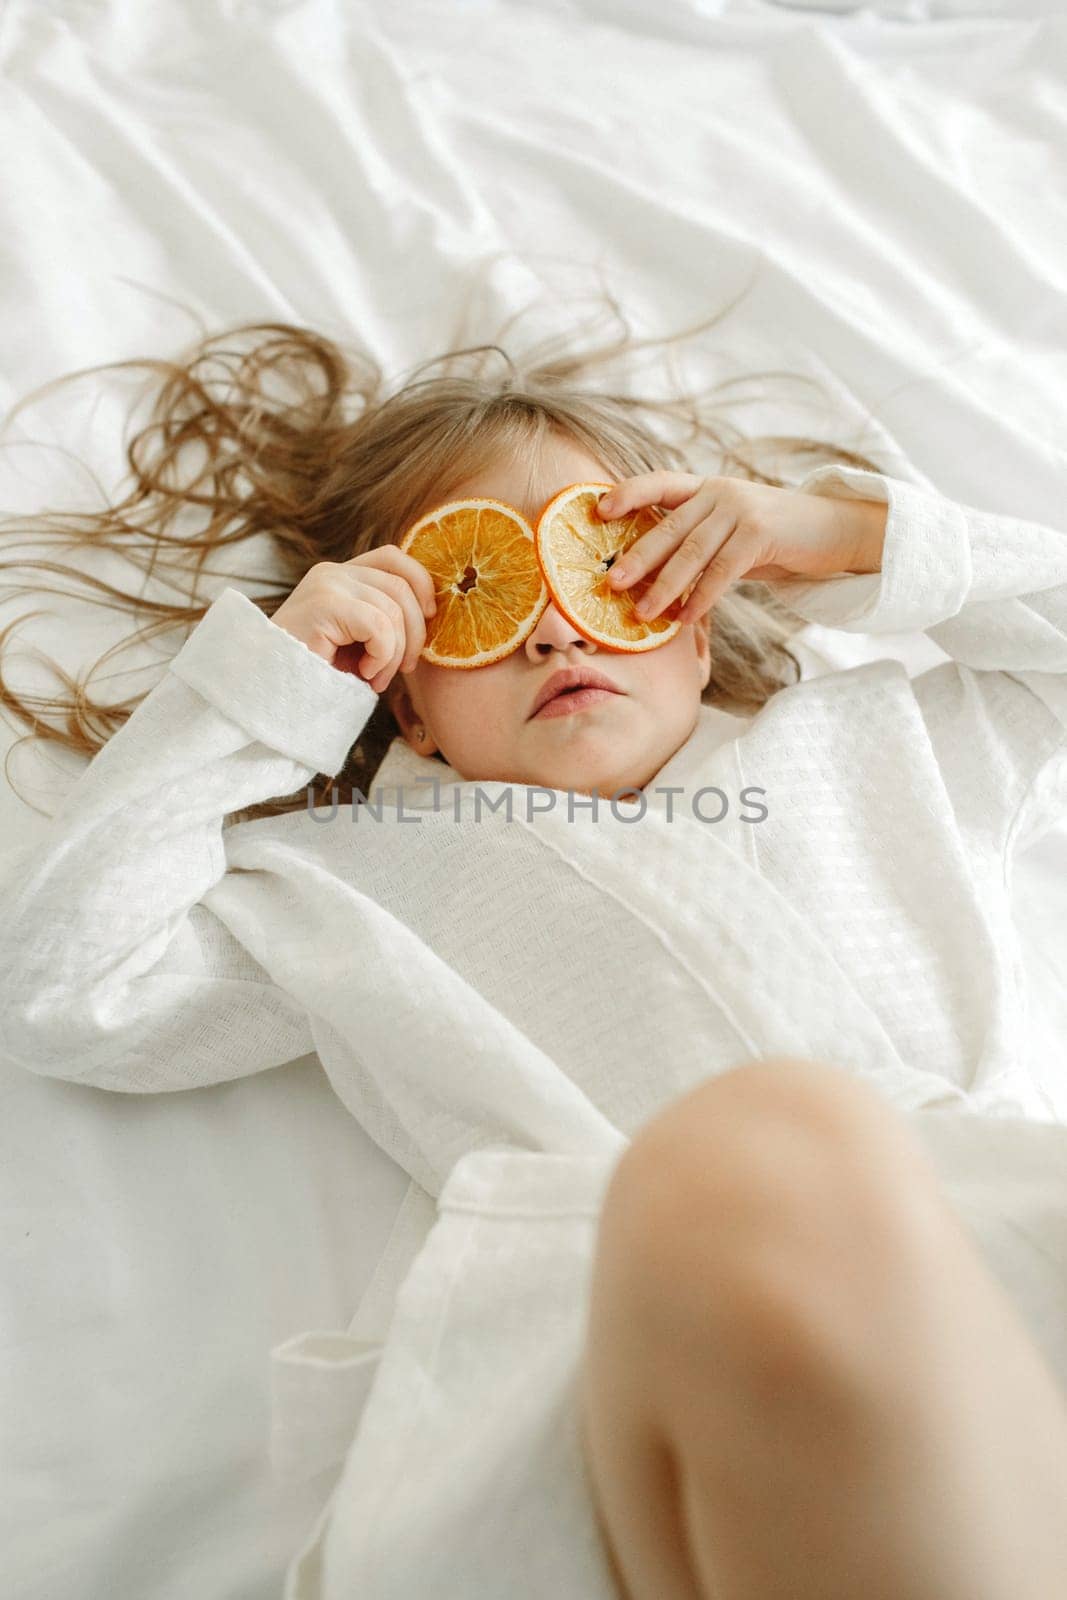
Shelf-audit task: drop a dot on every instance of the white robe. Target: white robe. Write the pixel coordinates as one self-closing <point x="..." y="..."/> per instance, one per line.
<point x="503" y="1000"/>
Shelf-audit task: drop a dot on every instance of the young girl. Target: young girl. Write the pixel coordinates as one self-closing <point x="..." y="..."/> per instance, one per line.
<point x="711" y="1115"/>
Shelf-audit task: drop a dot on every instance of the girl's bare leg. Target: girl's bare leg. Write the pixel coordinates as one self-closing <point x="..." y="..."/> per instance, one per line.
<point x="801" y="1381"/>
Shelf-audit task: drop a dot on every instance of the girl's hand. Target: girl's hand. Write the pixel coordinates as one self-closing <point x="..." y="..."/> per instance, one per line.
<point x="720" y="530"/>
<point x="367" y="615"/>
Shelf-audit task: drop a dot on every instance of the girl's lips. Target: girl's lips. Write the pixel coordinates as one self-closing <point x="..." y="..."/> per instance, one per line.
<point x="561" y="705"/>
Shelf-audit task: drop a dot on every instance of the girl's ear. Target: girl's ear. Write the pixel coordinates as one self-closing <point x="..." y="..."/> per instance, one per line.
<point x="703" y="649"/>
<point x="399" y="702"/>
<point x="413" y="728"/>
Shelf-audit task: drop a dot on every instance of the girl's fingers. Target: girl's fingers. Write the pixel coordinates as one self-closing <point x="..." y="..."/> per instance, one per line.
<point x="410" y="618"/>
<point x="701" y="532"/>
<point x="671" y="533"/>
<point x="390" y="558"/>
<point x="383" y="644"/>
<point x="732" y="561"/>
<point x="648" y="489"/>
<point x="366" y="657"/>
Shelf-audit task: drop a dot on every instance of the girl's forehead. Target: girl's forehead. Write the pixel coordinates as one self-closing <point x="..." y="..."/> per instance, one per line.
<point x="526" y="483"/>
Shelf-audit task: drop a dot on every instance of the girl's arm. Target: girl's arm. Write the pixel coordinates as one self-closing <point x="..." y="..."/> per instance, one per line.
<point x="111" y="972"/>
<point x="991" y="591"/>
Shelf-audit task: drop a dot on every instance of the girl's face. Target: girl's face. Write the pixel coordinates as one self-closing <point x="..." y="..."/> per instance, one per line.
<point x="480" y="718"/>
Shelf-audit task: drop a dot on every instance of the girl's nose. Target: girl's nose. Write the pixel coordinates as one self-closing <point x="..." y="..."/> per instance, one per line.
<point x="554" y="632"/>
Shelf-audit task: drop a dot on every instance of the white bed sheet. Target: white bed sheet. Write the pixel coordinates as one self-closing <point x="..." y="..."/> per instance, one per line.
<point x="893" y="194"/>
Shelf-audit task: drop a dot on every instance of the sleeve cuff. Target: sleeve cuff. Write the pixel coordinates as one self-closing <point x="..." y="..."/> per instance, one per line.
<point x="272" y="685"/>
<point x="926" y="562"/>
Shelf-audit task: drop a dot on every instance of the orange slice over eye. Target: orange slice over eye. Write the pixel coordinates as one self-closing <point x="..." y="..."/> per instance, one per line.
<point x="486" y="577"/>
<point x="577" y="549"/>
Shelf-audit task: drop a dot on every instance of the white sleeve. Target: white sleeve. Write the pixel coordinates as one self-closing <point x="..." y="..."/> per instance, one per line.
<point x="991" y="591"/>
<point x="111" y="971"/>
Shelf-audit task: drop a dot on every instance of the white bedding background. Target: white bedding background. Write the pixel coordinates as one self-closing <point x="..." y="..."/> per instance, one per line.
<point x="888" y="181"/>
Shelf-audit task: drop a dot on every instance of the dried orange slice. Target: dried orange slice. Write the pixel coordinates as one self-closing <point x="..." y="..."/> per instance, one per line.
<point x="576" y="550"/>
<point x="486" y="577"/>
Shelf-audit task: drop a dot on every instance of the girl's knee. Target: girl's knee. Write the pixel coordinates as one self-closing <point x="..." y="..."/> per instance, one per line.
<point x="796" y="1090"/>
<point x="779" y="1208"/>
<point x="765" y="1143"/>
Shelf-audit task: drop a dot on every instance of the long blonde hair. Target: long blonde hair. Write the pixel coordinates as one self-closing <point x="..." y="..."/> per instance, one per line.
<point x="303" y="443"/>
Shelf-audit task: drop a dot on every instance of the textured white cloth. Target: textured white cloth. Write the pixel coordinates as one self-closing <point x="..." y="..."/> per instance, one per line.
<point x="503" y="998"/>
